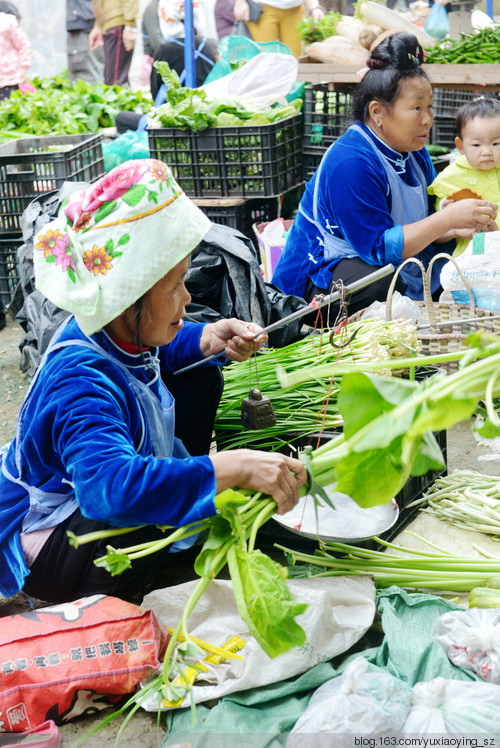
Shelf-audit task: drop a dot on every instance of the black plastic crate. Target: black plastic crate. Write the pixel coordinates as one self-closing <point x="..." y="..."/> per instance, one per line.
<point x="32" y="166"/>
<point x="219" y="162"/>
<point x="311" y="159"/>
<point x="240" y="213"/>
<point x="327" y="114"/>
<point x="9" y="269"/>
<point x="443" y="132"/>
<point x="447" y="101"/>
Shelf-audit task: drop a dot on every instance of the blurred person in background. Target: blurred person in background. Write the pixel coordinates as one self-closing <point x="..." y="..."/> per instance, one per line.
<point x="83" y="62"/>
<point x="224" y="17"/>
<point x="15" y="50"/>
<point x="277" y="20"/>
<point x="115" y="28"/>
<point x="151" y="39"/>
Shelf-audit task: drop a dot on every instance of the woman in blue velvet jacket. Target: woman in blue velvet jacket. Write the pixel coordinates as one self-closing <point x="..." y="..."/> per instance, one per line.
<point x="97" y="441"/>
<point x="366" y="205"/>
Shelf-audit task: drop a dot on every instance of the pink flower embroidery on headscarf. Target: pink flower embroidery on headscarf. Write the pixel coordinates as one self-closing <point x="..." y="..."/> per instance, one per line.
<point x="56" y="244"/>
<point x="115" y="184"/>
<point x="63" y="258"/>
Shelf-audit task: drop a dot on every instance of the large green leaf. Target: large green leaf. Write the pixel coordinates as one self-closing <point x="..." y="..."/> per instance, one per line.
<point x="364" y="397"/>
<point x="264" y="601"/>
<point x="374" y="476"/>
<point x="428" y="455"/>
<point x="444" y="413"/>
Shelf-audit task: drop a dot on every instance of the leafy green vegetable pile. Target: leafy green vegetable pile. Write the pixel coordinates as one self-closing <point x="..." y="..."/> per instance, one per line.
<point x="482" y="47"/>
<point x="57" y="107"/>
<point x="315" y="31"/>
<point x="191" y="109"/>
<point x="467" y="499"/>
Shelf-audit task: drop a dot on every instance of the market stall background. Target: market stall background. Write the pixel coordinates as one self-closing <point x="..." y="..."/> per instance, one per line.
<point x="45" y="24"/>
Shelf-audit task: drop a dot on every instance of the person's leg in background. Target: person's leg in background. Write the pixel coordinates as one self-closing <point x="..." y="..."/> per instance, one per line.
<point x="275" y="24"/>
<point x="289" y="34"/>
<point x="6" y="91"/>
<point x="117" y="59"/>
<point x="82" y="62"/>
<point x="267" y="28"/>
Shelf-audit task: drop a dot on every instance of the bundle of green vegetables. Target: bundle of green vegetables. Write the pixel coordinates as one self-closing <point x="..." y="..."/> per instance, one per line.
<point x="58" y="107"/>
<point x="479" y="48"/>
<point x="305" y="409"/>
<point x="406" y="567"/>
<point x="467" y="498"/>
<point x="191" y="109"/>
<point x="388" y="425"/>
<point x="315" y="31"/>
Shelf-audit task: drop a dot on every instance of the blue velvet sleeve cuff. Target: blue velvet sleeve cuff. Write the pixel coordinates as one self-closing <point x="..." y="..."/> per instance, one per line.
<point x="393" y="244"/>
<point x="185" y="349"/>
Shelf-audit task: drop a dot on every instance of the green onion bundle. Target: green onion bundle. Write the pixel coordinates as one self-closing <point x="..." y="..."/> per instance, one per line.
<point x="468" y="499"/>
<point x="304" y="410"/>
<point x="420" y="571"/>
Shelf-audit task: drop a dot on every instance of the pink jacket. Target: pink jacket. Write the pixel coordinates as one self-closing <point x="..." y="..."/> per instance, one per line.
<point x="15" y="51"/>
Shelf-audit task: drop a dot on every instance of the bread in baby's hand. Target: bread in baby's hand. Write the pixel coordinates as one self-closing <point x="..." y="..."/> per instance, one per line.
<point x="464" y="194"/>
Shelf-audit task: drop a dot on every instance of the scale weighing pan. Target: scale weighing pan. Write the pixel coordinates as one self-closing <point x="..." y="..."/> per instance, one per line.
<point x="347" y="523"/>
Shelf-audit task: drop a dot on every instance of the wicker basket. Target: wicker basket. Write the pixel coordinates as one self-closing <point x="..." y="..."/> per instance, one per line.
<point x="463" y="319"/>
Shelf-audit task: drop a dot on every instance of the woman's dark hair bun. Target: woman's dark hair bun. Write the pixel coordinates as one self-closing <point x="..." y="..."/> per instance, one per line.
<point x="398" y="56"/>
<point x="400" y="50"/>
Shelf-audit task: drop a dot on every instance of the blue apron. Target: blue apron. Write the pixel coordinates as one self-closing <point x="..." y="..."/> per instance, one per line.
<point x="409" y="205"/>
<point x="49" y="509"/>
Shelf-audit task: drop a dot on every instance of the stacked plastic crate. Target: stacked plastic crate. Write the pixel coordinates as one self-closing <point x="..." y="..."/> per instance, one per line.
<point x="236" y="175"/>
<point x="30" y="167"/>
<point x="445" y="103"/>
<point x="327" y="114"/>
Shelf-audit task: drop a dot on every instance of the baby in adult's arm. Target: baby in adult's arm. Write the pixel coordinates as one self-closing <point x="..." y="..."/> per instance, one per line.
<point x="475" y="174"/>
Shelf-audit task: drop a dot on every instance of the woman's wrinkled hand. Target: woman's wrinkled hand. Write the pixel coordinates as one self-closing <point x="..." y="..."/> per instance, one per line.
<point x="271" y="473"/>
<point x="475" y="215"/>
<point x="231" y="337"/>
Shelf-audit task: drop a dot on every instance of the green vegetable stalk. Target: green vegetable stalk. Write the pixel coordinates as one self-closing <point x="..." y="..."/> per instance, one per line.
<point x="467" y="499"/>
<point x="406" y="568"/>
<point x="262" y="597"/>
